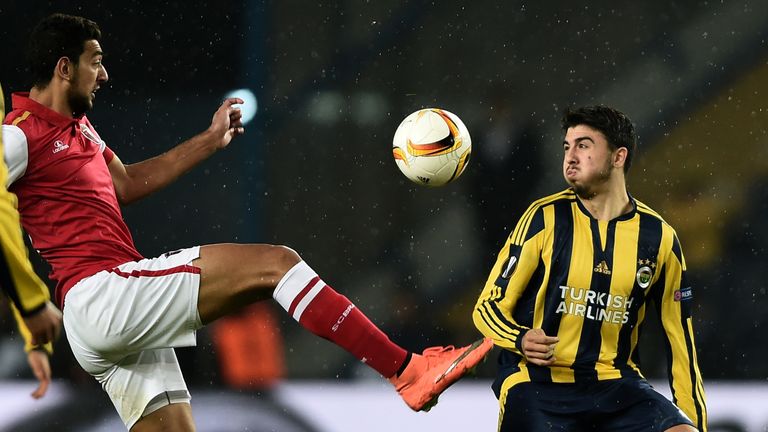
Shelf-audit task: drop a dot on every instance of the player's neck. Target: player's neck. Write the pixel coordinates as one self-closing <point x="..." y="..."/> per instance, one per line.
<point x="53" y="98"/>
<point x="609" y="202"/>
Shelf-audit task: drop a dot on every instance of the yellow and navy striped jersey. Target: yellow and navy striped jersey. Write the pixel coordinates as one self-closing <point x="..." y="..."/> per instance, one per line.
<point x="18" y="280"/>
<point x="588" y="282"/>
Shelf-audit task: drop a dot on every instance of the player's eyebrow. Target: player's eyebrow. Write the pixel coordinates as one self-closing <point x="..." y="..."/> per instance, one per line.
<point x="580" y="139"/>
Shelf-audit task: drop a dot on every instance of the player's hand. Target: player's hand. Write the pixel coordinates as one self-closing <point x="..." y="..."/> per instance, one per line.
<point x="41" y="367"/>
<point x="44" y="325"/>
<point x="538" y="348"/>
<point x="227" y="122"/>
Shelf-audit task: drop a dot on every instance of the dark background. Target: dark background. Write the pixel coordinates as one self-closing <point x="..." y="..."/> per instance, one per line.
<point x="333" y="80"/>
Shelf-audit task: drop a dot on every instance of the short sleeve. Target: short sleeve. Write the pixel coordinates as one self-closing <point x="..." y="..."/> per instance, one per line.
<point x="15" y="152"/>
<point x="108" y="154"/>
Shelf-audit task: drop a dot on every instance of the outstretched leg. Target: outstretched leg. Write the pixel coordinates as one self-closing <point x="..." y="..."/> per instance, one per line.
<point x="235" y="275"/>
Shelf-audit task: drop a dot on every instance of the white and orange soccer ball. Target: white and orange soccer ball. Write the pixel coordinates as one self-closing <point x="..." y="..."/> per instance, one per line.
<point x="432" y="147"/>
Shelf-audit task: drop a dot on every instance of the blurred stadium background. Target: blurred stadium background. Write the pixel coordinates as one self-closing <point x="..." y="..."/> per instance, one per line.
<point x="332" y="80"/>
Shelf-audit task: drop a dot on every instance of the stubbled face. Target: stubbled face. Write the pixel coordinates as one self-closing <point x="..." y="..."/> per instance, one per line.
<point x="587" y="160"/>
<point x="87" y="77"/>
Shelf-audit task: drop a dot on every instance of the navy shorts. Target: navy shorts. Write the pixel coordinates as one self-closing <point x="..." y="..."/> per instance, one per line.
<point x="621" y="405"/>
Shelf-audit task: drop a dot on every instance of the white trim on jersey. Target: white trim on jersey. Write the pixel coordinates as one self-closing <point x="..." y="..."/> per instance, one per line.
<point x="15" y="152"/>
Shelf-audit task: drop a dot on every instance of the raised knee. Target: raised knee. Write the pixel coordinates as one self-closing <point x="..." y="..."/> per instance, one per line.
<point x="285" y="258"/>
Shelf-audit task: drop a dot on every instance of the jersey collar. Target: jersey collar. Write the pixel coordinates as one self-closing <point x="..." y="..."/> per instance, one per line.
<point x="626" y="216"/>
<point x="21" y="101"/>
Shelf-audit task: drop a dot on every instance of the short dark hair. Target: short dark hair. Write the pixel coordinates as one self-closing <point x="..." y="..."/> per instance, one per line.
<point x="54" y="37"/>
<point x="615" y="125"/>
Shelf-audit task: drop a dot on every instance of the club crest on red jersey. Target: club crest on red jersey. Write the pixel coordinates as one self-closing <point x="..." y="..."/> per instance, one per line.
<point x="90" y="135"/>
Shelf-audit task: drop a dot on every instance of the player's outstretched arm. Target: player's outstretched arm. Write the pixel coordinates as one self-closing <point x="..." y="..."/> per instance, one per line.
<point x="135" y="181"/>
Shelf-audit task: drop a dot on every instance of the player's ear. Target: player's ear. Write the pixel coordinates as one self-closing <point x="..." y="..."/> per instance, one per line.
<point x="620" y="157"/>
<point x="64" y="69"/>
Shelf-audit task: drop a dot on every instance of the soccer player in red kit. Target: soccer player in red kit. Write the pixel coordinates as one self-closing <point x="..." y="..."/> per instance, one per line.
<point x="124" y="313"/>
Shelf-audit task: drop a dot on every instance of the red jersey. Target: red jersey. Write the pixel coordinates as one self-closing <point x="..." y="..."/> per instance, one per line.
<point x="66" y="196"/>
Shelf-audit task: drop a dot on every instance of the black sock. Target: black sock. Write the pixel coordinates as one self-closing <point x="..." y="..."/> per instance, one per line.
<point x="405" y="364"/>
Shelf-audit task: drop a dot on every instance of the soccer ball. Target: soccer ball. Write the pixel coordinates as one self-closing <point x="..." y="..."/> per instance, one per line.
<point x="432" y="147"/>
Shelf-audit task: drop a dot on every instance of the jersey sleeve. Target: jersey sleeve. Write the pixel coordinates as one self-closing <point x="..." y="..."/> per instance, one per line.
<point x="108" y="154"/>
<point x="508" y="280"/>
<point x="15" y="153"/>
<point x="28" y="294"/>
<point x="17" y="277"/>
<point x="674" y="296"/>
<point x="27" y="336"/>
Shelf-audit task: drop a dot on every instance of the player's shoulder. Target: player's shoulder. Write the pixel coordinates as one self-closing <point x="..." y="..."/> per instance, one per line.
<point x="532" y="220"/>
<point x="15" y="117"/>
<point x="21" y="123"/>
<point x="566" y="195"/>
<point x="645" y="209"/>
<point x="13" y="135"/>
<point x="30" y="129"/>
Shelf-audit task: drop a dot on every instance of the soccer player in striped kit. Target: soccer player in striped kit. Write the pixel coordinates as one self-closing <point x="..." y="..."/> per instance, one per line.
<point x="39" y="321"/>
<point x="568" y="294"/>
<point x="124" y="313"/>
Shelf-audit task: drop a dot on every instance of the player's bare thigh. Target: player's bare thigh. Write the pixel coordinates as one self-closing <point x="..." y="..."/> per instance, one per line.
<point x="235" y="275"/>
<point x="175" y="417"/>
<point x="681" y="428"/>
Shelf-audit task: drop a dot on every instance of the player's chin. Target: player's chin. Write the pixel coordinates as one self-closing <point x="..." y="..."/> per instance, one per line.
<point x="86" y="105"/>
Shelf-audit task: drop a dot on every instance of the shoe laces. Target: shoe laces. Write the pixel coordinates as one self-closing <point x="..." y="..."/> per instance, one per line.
<point x="437" y="350"/>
